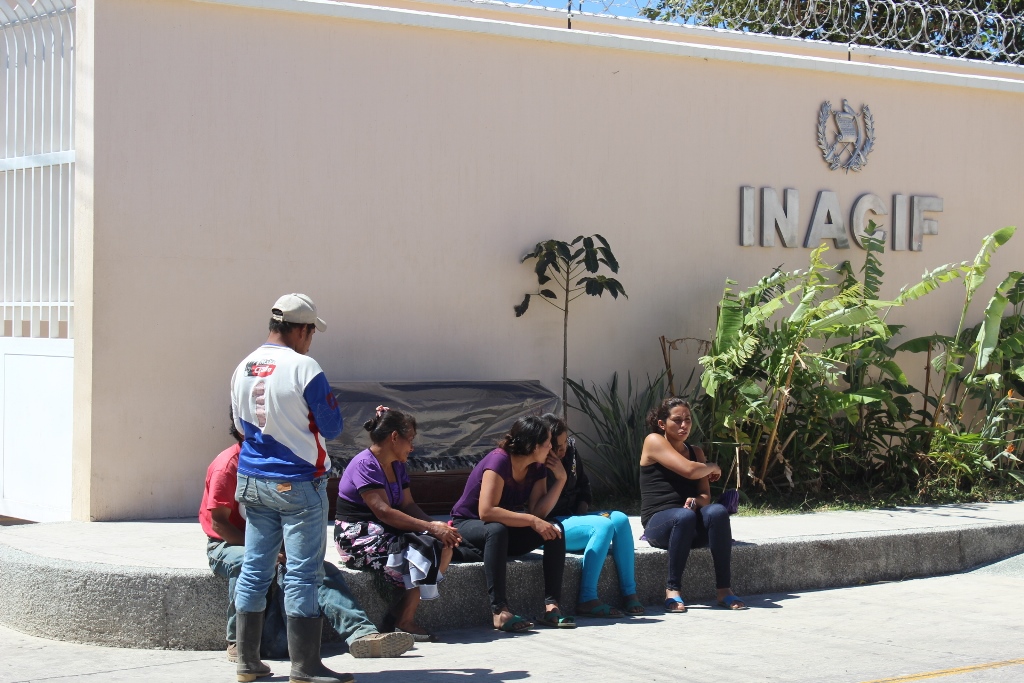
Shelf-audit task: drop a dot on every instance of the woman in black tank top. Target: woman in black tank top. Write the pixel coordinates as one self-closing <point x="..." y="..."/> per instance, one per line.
<point x="675" y="503"/>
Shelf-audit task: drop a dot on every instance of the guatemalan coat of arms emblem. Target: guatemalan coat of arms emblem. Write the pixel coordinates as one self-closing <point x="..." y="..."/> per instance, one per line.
<point x="853" y="136"/>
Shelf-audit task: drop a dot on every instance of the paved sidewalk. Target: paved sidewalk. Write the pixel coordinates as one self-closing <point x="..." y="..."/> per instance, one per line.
<point x="180" y="543"/>
<point x="970" y="622"/>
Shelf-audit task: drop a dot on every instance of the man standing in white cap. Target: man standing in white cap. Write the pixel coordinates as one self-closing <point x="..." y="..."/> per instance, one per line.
<point x="282" y="404"/>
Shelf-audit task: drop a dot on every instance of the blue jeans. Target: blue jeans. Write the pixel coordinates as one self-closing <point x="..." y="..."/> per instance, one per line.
<point x="226" y="560"/>
<point x="294" y="513"/>
<point x="336" y="601"/>
<point x="679" y="529"/>
<point x="594" y="534"/>
<point x="341" y="609"/>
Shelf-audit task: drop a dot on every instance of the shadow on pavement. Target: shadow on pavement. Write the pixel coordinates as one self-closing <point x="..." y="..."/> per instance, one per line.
<point x="445" y="675"/>
<point x="482" y="635"/>
<point x="767" y="601"/>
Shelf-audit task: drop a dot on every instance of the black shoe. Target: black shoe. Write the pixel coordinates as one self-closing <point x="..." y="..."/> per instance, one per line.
<point x="304" y="634"/>
<point x="249" y="630"/>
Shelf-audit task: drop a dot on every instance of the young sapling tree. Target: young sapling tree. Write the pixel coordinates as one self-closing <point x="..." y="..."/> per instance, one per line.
<point x="563" y="264"/>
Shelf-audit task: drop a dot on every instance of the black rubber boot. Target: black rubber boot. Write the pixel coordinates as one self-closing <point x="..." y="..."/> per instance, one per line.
<point x="248" y="632"/>
<point x="304" y="634"/>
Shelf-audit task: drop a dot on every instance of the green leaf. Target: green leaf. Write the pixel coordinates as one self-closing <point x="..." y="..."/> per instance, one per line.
<point x="920" y="344"/>
<point x="975" y="275"/>
<point x="1016" y="295"/>
<point x="521" y="308"/>
<point x="730" y="322"/>
<point x="590" y="255"/>
<point x="537" y="250"/>
<point x="606" y="254"/>
<point x="847" y="317"/>
<point x="931" y="280"/>
<point x="890" y="368"/>
<point x="608" y="259"/>
<point x="872" y="265"/>
<point x="988" y="330"/>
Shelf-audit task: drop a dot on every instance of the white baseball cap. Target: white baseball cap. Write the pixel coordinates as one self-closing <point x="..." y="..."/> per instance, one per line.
<point x="297" y="308"/>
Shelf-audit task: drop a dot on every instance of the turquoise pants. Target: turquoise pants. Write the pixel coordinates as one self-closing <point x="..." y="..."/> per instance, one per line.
<point x="593" y="534"/>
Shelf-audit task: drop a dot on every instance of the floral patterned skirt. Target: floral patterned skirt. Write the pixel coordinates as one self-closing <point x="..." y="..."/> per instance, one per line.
<point x="406" y="559"/>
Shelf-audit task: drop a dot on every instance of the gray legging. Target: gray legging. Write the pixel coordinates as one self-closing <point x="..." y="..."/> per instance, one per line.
<point x="679" y="529"/>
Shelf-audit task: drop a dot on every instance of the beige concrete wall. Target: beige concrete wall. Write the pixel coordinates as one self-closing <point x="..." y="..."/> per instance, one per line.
<point x="396" y="173"/>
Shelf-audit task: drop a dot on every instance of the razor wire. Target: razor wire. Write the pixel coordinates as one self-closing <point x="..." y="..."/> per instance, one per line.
<point x="991" y="31"/>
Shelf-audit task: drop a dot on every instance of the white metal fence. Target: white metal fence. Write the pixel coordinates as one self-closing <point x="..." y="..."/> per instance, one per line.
<point x="37" y="168"/>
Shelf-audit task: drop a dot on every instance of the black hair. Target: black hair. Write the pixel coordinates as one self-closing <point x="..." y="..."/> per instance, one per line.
<point x="555" y="424"/>
<point x="231" y="430"/>
<point x="388" y="422"/>
<point x="526" y="434"/>
<point x="282" y="328"/>
<point x="662" y="411"/>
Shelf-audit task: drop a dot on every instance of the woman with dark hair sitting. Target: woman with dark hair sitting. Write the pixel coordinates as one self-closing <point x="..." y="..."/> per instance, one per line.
<point x="675" y="503"/>
<point x="380" y="527"/>
<point x="502" y="511"/>
<point x="592" y="533"/>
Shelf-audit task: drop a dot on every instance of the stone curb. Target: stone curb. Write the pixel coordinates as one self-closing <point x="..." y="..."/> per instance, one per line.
<point x="183" y="609"/>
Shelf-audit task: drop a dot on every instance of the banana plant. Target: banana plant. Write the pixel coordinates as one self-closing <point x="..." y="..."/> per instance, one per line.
<point x="956" y="348"/>
<point x="574" y="271"/>
<point x="748" y="355"/>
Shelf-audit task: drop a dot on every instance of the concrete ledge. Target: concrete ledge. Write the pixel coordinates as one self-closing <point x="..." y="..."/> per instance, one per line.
<point x="183" y="608"/>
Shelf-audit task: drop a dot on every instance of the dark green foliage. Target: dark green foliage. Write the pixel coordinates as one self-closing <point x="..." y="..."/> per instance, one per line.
<point x="619" y="429"/>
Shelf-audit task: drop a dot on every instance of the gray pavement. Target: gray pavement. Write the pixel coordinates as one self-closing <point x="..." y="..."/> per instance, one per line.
<point x="956" y="628"/>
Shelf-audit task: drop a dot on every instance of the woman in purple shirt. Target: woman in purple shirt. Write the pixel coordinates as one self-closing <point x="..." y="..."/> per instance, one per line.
<point x="380" y="527"/>
<point x="502" y="511"/>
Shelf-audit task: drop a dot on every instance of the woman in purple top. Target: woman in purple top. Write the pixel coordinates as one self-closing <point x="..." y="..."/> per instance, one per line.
<point x="502" y="513"/>
<point x="380" y="527"/>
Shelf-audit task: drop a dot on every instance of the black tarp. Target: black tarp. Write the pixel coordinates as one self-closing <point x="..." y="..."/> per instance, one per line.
<point x="457" y="422"/>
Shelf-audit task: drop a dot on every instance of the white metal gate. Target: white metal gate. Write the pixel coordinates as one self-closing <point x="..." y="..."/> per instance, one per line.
<point x="37" y="168"/>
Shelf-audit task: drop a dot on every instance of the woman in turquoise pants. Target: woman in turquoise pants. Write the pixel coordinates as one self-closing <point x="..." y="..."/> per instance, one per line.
<point x="592" y="533"/>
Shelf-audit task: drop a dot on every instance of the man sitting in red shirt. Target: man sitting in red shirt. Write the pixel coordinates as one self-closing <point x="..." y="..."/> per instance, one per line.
<point x="223" y="521"/>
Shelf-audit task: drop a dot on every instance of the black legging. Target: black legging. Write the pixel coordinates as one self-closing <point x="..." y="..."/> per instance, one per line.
<point x="494" y="542"/>
<point x="679" y="529"/>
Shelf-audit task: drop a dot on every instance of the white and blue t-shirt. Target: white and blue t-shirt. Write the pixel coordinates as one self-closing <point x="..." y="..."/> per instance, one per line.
<point x="282" y="404"/>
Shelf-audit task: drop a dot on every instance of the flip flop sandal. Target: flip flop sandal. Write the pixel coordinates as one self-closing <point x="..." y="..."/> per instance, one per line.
<point x="634" y="607"/>
<point x="602" y="611"/>
<point x="516" y="624"/>
<point x="675" y="605"/>
<point x="555" y="619"/>
<point x="732" y="602"/>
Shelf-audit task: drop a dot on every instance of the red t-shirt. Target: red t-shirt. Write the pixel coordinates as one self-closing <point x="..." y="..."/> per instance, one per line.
<point x="221" y="479"/>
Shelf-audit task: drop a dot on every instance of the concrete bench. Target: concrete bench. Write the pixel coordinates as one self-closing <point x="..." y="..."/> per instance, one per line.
<point x="44" y="593"/>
